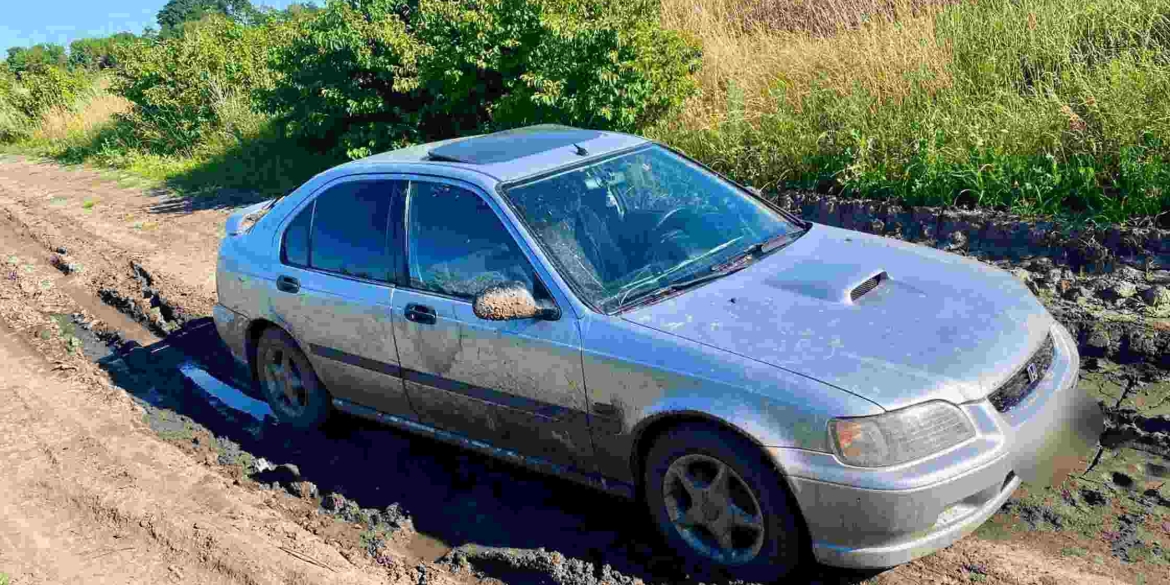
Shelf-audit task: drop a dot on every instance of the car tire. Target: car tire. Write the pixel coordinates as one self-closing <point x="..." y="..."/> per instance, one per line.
<point x="751" y="508"/>
<point x="289" y="384"/>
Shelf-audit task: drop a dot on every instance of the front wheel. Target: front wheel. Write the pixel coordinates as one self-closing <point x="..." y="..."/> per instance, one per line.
<point x="717" y="502"/>
<point x="292" y="389"/>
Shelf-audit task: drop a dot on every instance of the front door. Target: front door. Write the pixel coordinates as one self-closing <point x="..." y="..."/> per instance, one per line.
<point x="515" y="384"/>
<point x="334" y="290"/>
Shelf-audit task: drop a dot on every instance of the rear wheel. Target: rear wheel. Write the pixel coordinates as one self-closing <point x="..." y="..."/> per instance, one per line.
<point x="720" y="505"/>
<point x="290" y="386"/>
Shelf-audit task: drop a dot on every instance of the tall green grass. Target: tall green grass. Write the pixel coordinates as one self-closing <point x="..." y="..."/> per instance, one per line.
<point x="246" y="152"/>
<point x="1039" y="107"/>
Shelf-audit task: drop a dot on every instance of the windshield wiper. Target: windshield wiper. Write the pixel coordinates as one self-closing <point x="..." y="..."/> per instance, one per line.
<point x="670" y="289"/>
<point x="735" y="264"/>
<point x="747" y="256"/>
<point x="276" y="200"/>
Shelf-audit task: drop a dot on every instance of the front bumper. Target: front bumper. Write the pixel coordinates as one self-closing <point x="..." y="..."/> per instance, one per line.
<point x="875" y="518"/>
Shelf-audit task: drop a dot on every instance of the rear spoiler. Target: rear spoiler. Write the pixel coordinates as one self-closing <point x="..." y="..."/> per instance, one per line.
<point x="242" y="221"/>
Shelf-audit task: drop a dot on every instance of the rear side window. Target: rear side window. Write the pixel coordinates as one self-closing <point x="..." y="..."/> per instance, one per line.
<point x="346" y="231"/>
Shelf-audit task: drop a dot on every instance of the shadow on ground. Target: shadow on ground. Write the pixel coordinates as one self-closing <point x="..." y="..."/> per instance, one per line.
<point x="251" y="169"/>
<point x="452" y="495"/>
<point x="228" y="171"/>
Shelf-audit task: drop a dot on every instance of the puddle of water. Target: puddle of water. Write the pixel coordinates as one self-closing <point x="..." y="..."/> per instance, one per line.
<point x="229" y="395"/>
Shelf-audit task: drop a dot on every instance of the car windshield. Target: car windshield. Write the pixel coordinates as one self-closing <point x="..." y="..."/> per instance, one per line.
<point x="621" y="228"/>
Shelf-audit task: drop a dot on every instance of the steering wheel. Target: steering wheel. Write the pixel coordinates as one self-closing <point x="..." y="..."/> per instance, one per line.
<point x="670" y="239"/>
<point x="677" y="218"/>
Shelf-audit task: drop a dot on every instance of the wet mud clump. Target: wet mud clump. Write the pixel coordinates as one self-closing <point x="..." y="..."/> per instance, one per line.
<point x="513" y="565"/>
<point x="504" y="301"/>
<point x="994" y="233"/>
<point x="64" y="265"/>
<point x="390" y="525"/>
<point x="148" y="307"/>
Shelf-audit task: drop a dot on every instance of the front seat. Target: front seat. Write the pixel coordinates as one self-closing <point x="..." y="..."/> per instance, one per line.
<point x="599" y="245"/>
<point x="562" y="239"/>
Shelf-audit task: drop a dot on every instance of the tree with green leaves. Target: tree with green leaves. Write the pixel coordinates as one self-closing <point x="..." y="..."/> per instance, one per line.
<point x="35" y="58"/>
<point x="368" y="75"/>
<point x="176" y="12"/>
<point x="185" y="81"/>
<point x="99" y="53"/>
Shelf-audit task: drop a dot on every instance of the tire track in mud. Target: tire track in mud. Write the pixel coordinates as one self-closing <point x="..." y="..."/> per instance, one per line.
<point x="508" y="523"/>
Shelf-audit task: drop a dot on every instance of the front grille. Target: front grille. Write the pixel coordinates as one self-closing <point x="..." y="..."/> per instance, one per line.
<point x="1021" y="385"/>
<point x="867" y="286"/>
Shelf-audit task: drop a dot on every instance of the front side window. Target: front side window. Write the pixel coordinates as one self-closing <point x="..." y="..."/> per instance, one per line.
<point x="346" y="230"/>
<point x="628" y="225"/>
<point x="457" y="246"/>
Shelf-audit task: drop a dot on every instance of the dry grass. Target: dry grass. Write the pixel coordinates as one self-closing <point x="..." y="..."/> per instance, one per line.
<point x="84" y="119"/>
<point x="757" y="51"/>
<point x="817" y="17"/>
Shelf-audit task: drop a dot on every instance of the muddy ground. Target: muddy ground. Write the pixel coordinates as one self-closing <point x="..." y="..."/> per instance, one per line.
<point x="136" y="451"/>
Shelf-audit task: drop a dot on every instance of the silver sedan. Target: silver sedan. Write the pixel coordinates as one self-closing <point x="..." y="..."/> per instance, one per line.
<point x="598" y="306"/>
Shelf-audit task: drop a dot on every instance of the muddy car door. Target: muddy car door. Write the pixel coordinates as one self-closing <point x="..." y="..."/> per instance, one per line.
<point x="335" y="289"/>
<point x="516" y="384"/>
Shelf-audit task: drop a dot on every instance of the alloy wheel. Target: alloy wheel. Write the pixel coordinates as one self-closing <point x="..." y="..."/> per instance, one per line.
<point x="284" y="381"/>
<point x="713" y="509"/>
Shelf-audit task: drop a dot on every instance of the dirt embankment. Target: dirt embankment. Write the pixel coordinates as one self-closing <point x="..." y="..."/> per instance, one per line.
<point x="166" y="483"/>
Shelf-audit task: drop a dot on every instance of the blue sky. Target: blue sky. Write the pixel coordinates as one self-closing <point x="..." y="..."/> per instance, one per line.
<point x="28" y="22"/>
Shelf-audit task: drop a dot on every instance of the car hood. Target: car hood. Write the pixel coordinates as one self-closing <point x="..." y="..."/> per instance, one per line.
<point x="940" y="326"/>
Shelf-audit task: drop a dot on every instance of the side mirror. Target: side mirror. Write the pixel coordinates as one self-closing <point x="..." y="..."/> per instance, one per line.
<point x="756" y="191"/>
<point x="508" y="301"/>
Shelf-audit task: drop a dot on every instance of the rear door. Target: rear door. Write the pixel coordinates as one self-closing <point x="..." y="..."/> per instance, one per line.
<point x="516" y="384"/>
<point x="335" y="289"/>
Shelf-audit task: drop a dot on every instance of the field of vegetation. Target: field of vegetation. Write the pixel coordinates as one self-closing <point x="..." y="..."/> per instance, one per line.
<point x="1044" y="107"/>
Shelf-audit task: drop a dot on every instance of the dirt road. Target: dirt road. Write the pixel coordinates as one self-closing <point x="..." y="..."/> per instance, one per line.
<point x="134" y="450"/>
<point x="92" y="496"/>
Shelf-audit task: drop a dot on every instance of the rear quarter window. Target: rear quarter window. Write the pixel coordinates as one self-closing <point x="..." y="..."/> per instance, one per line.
<point x="295" y="247"/>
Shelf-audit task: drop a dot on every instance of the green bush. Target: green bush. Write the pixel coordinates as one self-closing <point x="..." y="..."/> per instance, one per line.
<point x="181" y="86"/>
<point x="14" y="124"/>
<point x="48" y="87"/>
<point x="38" y="88"/>
<point x="368" y="75"/>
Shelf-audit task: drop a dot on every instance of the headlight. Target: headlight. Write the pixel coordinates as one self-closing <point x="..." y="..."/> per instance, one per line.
<point x="899" y="436"/>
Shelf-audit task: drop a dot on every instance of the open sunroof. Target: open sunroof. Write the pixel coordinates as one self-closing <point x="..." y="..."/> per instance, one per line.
<point x="511" y="144"/>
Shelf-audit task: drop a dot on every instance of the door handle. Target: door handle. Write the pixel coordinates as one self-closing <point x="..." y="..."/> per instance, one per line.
<point x="420" y="314"/>
<point x="288" y="284"/>
<point x="604" y="409"/>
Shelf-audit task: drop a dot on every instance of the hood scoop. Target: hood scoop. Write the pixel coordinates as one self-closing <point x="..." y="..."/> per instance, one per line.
<point x="836" y="283"/>
<point x="867" y="286"/>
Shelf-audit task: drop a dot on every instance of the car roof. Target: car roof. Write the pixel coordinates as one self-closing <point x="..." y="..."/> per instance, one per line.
<point x="510" y="154"/>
